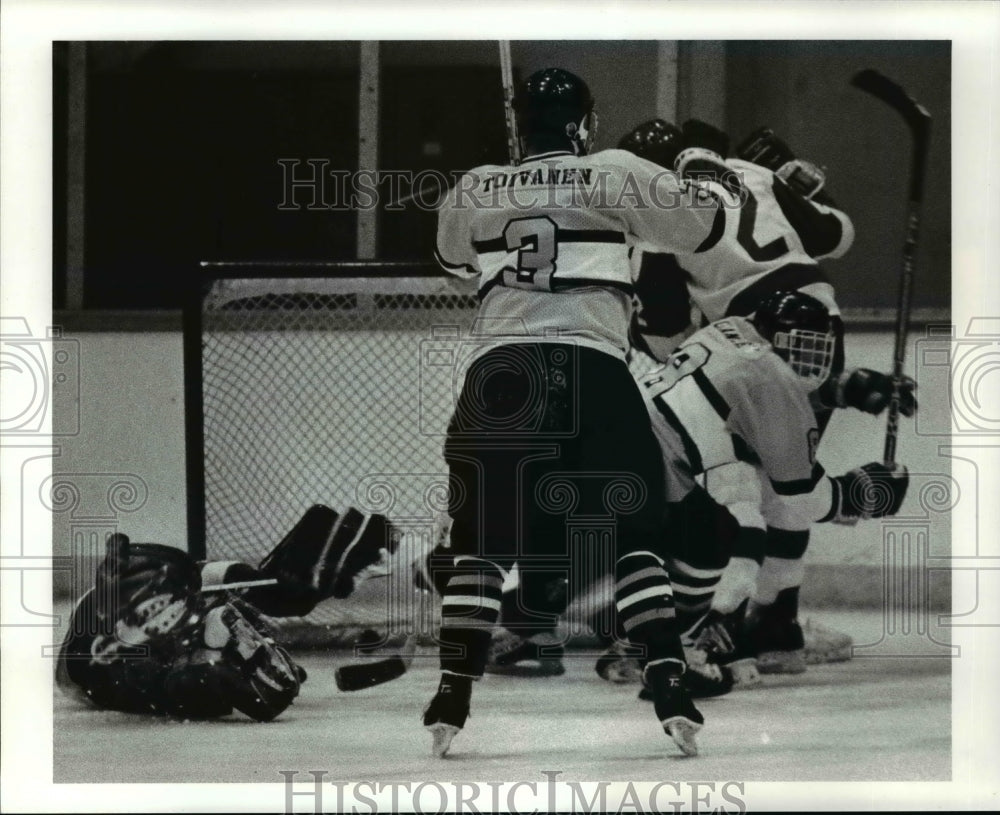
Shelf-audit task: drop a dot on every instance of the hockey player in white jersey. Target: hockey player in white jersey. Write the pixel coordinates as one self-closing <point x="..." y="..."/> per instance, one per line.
<point x="786" y="226"/>
<point x="739" y="390"/>
<point x="548" y="407"/>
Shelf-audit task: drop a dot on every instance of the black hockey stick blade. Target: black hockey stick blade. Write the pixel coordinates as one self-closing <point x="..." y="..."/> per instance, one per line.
<point x="360" y="675"/>
<point x="881" y="87"/>
<point x="916" y="116"/>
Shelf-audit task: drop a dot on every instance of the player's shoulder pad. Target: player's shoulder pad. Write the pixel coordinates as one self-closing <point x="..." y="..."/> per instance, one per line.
<point x="755" y="376"/>
<point x="751" y="175"/>
<point x="472" y="181"/>
<point x="623" y="159"/>
<point x="738" y="334"/>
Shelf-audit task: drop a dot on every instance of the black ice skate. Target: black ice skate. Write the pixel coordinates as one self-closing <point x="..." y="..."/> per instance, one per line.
<point x="448" y="710"/>
<point x="620" y="664"/>
<point x="672" y="703"/>
<point x="702" y="679"/>
<point x="510" y="654"/>
<point x="777" y="640"/>
<point x="721" y="639"/>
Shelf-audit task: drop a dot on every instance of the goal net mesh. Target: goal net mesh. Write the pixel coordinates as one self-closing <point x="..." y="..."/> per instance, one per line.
<point x="334" y="391"/>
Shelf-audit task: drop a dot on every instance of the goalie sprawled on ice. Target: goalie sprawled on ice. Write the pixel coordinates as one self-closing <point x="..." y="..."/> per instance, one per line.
<point x="161" y="634"/>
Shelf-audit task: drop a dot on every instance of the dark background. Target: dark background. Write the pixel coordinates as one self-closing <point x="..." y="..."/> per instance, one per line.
<point x="183" y="141"/>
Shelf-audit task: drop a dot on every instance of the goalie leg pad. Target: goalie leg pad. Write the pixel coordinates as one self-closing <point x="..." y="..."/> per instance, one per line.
<point x="323" y="556"/>
<point x="357" y="544"/>
<point x="295" y="562"/>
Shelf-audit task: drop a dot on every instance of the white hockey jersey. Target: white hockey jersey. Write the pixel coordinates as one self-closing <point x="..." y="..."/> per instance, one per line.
<point x="550" y="241"/>
<point x="774" y="244"/>
<point x="725" y="396"/>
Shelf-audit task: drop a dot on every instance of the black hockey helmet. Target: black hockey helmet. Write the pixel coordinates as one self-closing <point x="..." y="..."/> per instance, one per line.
<point x="553" y="106"/>
<point x="701" y="134"/>
<point x="657" y="141"/>
<point x="800" y="330"/>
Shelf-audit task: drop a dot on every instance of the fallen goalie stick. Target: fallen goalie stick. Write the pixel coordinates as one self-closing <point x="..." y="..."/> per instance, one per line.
<point x="919" y="122"/>
<point x="371" y="671"/>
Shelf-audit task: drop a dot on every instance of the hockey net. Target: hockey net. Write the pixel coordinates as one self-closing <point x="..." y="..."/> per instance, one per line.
<point x="327" y="389"/>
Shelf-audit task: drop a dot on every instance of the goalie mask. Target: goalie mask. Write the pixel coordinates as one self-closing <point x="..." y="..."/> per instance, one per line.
<point x="553" y="106"/>
<point x="657" y="141"/>
<point x="800" y="330"/>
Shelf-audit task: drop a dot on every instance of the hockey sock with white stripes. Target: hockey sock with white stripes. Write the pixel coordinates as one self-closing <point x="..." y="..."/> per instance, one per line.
<point x="645" y="605"/>
<point x="470" y="606"/>
<point x="693" y="590"/>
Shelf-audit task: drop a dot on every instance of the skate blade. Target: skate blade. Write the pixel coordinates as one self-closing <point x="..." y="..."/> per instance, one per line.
<point x="527" y="670"/>
<point x="682" y="731"/>
<point x="781" y="662"/>
<point x="442" y="735"/>
<point x="822" y="657"/>
<point x="744" y="672"/>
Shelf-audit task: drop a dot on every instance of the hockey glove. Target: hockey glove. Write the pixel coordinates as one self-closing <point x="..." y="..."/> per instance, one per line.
<point x="868" y="391"/>
<point x="806" y="178"/>
<point x="871" y="491"/>
<point x="763" y="147"/>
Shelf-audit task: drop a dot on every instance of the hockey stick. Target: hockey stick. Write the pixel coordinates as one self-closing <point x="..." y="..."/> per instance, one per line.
<point x="513" y="143"/>
<point x="367" y="674"/>
<point x="507" y="79"/>
<point x="919" y="121"/>
<point x="250" y="584"/>
<point x="240" y="584"/>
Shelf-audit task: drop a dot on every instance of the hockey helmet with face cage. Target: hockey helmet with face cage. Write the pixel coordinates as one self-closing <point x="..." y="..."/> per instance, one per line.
<point x="657" y="141"/>
<point x="800" y="330"/>
<point x="554" y="105"/>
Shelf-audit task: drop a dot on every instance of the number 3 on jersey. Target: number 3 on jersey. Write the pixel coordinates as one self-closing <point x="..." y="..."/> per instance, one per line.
<point x="534" y="240"/>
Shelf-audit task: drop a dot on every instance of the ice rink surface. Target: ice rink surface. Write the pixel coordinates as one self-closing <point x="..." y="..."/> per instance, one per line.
<point x="873" y="718"/>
